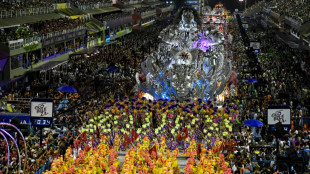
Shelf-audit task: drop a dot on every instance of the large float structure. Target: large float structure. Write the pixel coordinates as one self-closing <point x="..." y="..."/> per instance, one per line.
<point x="189" y="62"/>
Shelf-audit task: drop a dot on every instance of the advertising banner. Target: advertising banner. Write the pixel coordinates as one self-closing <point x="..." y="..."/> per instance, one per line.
<point x="245" y="26"/>
<point x="41" y="112"/>
<point x="255" y="45"/>
<point x="41" y="108"/>
<point x="25" y="119"/>
<point x="277" y="114"/>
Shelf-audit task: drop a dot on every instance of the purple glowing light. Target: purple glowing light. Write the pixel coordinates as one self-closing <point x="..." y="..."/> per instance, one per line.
<point x="6" y="133"/>
<point x="19" y="159"/>
<point x="202" y="43"/>
<point x="8" y="147"/>
<point x="195" y="44"/>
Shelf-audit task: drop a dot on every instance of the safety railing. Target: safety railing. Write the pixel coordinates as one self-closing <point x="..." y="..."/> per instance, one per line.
<point x="263" y="163"/>
<point x="166" y="9"/>
<point x="58" y="33"/>
<point x="148" y="12"/>
<point x="293" y="22"/>
<point x="26" y="12"/>
<point x="94" y="6"/>
<point x="131" y="2"/>
<point x="16" y="44"/>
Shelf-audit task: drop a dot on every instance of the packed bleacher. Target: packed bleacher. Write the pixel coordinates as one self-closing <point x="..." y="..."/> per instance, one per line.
<point x="40" y="28"/>
<point x="113" y="16"/>
<point x="279" y="77"/>
<point x="105" y="118"/>
<point x="13" y="5"/>
<point x="298" y="10"/>
<point x="84" y="77"/>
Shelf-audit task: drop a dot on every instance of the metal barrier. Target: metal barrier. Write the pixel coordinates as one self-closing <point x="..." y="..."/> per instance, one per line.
<point x="57" y="33"/>
<point x="263" y="163"/>
<point x="16" y="44"/>
<point x="94" y="6"/>
<point x="148" y="12"/>
<point x="23" y="104"/>
<point x="131" y="2"/>
<point x="26" y="12"/>
<point x="166" y="9"/>
<point x="294" y="22"/>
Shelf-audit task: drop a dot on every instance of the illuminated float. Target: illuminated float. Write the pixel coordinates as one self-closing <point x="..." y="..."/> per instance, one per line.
<point x="189" y="63"/>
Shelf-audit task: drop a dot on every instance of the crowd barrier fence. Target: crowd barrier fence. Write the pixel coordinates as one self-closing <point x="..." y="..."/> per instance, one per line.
<point x="26" y="12"/>
<point x="94" y="6"/>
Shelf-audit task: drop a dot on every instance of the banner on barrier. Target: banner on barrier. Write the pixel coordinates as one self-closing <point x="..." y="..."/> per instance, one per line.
<point x="25" y="119"/>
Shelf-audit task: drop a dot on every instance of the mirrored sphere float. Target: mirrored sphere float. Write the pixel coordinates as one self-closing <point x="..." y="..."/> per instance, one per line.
<point x="189" y="62"/>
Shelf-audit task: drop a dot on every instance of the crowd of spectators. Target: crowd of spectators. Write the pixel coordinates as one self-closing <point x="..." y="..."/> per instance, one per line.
<point x="89" y="75"/>
<point x="39" y="28"/>
<point x="257" y="150"/>
<point x="298" y="10"/>
<point x="113" y="16"/>
<point x="142" y="10"/>
<point x="146" y="9"/>
<point x="24" y="4"/>
<point x="54" y="25"/>
<point x="280" y="82"/>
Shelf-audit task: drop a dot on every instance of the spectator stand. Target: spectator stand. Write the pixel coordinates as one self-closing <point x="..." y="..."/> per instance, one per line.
<point x="26" y="52"/>
<point x="294" y="19"/>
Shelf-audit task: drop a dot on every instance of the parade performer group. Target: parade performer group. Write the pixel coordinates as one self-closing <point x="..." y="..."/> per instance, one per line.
<point x="154" y="134"/>
<point x="141" y="159"/>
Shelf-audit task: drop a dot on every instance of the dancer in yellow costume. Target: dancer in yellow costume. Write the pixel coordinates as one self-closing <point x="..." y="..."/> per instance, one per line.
<point x="175" y="167"/>
<point x="117" y="142"/>
<point x="217" y="145"/>
<point x="191" y="150"/>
